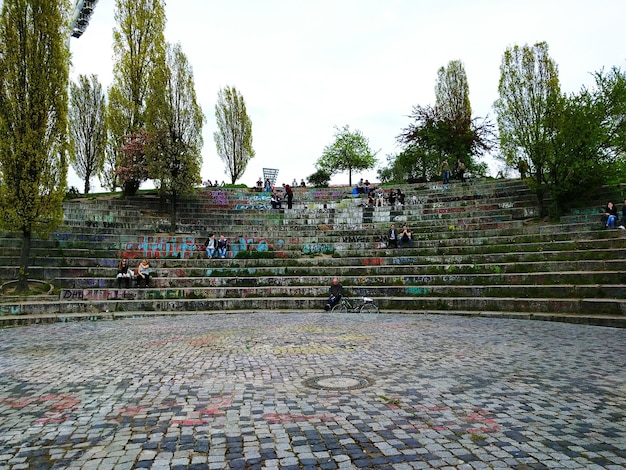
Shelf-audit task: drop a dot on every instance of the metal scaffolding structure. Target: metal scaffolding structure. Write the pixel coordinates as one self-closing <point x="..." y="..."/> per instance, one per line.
<point x="81" y="16"/>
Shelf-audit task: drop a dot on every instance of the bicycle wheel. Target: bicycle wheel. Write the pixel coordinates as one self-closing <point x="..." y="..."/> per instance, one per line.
<point x="340" y="308"/>
<point x="369" y="308"/>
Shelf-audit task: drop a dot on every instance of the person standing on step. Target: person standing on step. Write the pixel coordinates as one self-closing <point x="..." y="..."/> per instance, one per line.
<point x="143" y="274"/>
<point x="445" y="171"/>
<point x="211" y="246"/>
<point x="222" y="247"/>
<point x="335" y="294"/>
<point x="289" y="195"/>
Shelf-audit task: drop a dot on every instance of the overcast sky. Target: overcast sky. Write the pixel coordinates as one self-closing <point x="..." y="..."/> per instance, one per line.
<point x="306" y="66"/>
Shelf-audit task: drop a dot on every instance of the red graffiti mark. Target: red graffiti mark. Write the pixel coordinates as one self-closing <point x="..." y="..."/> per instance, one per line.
<point x="373" y="261"/>
<point x="17" y="403"/>
<point x="202" y="341"/>
<point x="131" y="410"/>
<point x="439" y="419"/>
<point x="161" y="342"/>
<point x="60" y="408"/>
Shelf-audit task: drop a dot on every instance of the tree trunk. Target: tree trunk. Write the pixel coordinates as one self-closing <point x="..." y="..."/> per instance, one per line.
<point x="173" y="213"/>
<point x="22" y="284"/>
<point x="540" y="192"/>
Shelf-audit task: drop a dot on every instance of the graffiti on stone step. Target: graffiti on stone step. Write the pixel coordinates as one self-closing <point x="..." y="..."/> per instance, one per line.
<point x="160" y="247"/>
<point x="219" y="198"/>
<point x="332" y="194"/>
<point x="258" y="202"/>
<point x="128" y="294"/>
<point x="417" y="291"/>
<point x="9" y="310"/>
<point x="429" y="279"/>
<point x="354" y="239"/>
<point x="254" y="244"/>
<point x="373" y="261"/>
<point x="66" y="238"/>
<point x="403" y="260"/>
<point x="75" y="294"/>
<point x="107" y="224"/>
<point x="317" y="248"/>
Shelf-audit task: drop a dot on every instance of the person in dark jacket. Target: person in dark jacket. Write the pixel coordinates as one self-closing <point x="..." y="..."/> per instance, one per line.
<point x="289" y="195"/>
<point x="335" y="294"/>
<point x="610" y="215"/>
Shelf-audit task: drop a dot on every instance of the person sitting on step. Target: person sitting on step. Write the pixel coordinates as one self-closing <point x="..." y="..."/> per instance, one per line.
<point x="211" y="246"/>
<point x="610" y="215"/>
<point x="335" y="293"/>
<point x="392" y="237"/>
<point x="222" y="247"/>
<point x="406" y="237"/>
<point x="143" y="274"/>
<point x="124" y="274"/>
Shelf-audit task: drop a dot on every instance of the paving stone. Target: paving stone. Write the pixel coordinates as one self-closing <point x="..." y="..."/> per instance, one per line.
<point x="230" y="391"/>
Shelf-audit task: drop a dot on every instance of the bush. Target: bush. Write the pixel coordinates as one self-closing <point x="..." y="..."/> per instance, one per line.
<point x="319" y="179"/>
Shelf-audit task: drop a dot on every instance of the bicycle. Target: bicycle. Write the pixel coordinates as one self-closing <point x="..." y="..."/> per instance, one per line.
<point x="363" y="305"/>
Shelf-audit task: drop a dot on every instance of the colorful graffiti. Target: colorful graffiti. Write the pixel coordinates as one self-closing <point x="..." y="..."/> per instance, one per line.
<point x="160" y="247"/>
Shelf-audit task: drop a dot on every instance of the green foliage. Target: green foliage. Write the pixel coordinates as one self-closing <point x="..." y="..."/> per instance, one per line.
<point x="34" y="60"/>
<point x="444" y="131"/>
<point x="528" y="110"/>
<point x="138" y="47"/>
<point x="87" y="127"/>
<point x="174" y="127"/>
<point x="413" y="164"/>
<point x="319" y="179"/>
<point x="233" y="139"/>
<point x="571" y="145"/>
<point x="349" y="152"/>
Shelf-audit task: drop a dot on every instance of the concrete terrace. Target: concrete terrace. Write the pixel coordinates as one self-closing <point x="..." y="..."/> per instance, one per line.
<point x="478" y="250"/>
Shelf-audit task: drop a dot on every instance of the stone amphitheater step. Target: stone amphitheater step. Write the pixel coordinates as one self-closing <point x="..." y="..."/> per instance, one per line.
<point x="525" y="307"/>
<point x="474" y="253"/>
<point x="278" y="276"/>
<point x="376" y="291"/>
<point x="605" y="320"/>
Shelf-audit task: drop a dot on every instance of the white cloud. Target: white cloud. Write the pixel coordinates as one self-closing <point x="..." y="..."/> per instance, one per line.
<point x="306" y="66"/>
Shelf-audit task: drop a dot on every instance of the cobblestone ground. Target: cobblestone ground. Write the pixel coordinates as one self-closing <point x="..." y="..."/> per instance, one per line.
<point x="312" y="391"/>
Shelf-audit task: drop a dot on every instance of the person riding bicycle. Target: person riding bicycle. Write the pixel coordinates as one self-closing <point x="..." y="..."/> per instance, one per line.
<point x="336" y="292"/>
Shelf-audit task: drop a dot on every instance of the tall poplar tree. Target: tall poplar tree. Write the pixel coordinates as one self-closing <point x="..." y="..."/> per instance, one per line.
<point x="528" y="110"/>
<point x="174" y="128"/>
<point x="34" y="76"/>
<point x="138" y="45"/>
<point x="454" y="111"/>
<point x="233" y="139"/>
<point x="88" y="129"/>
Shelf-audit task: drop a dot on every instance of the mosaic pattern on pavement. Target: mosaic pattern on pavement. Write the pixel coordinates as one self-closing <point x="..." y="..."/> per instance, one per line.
<point x="312" y="391"/>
